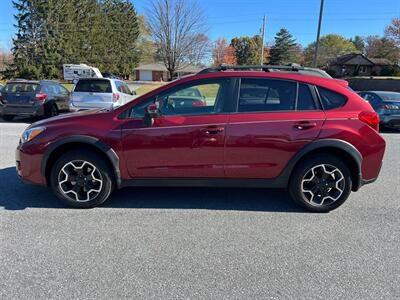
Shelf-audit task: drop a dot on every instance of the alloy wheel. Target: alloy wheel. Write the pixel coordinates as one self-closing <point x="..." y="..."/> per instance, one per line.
<point x="323" y="185"/>
<point x="80" y="181"/>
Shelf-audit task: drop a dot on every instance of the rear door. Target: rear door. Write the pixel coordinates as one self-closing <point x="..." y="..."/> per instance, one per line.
<point x="93" y="93"/>
<point x="274" y="120"/>
<point x="20" y="93"/>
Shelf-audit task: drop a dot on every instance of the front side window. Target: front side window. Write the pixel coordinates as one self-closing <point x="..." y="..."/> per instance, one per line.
<point x="197" y="99"/>
<point x="266" y="95"/>
<point x="191" y="100"/>
<point x="331" y="99"/>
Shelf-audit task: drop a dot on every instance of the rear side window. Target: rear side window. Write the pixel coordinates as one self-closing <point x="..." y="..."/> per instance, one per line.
<point x="305" y="99"/>
<point x="93" y="86"/>
<point x="331" y="99"/>
<point x="21" y="88"/>
<point x="266" y="95"/>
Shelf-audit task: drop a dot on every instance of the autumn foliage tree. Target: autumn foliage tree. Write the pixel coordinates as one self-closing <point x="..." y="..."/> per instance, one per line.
<point x="223" y="53"/>
<point x="393" y="31"/>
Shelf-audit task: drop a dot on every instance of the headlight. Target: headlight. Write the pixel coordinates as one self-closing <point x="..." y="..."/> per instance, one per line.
<point x="31" y="133"/>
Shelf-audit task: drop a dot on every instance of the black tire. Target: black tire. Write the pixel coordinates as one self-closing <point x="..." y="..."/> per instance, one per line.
<point x="92" y="159"/>
<point x="8" y="118"/>
<point x="306" y="199"/>
<point x="51" y="110"/>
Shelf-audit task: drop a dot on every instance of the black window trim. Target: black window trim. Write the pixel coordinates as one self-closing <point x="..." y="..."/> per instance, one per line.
<point x="228" y="94"/>
<point x="318" y="106"/>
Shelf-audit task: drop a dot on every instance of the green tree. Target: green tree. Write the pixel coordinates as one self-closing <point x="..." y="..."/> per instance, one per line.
<point x="145" y="45"/>
<point x="285" y="50"/>
<point x="51" y="33"/>
<point x="330" y="47"/>
<point x="359" y="43"/>
<point x="247" y="50"/>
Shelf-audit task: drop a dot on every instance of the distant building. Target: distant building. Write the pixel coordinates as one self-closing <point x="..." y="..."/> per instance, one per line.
<point x="158" y="72"/>
<point x="356" y="64"/>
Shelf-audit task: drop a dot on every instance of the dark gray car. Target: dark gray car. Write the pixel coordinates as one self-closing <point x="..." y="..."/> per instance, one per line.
<point x="386" y="104"/>
<point x="28" y="98"/>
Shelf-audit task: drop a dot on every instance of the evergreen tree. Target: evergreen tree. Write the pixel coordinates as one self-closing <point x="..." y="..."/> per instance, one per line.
<point x="50" y="33"/>
<point x="285" y="50"/>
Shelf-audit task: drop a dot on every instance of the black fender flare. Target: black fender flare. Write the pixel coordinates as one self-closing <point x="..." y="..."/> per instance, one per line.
<point x="89" y="140"/>
<point x="320" y="144"/>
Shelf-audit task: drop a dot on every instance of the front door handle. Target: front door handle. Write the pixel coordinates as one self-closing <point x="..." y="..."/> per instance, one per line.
<point x="303" y="125"/>
<point x="212" y="130"/>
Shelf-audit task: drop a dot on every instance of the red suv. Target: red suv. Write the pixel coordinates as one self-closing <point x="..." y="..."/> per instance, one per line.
<point x="220" y="127"/>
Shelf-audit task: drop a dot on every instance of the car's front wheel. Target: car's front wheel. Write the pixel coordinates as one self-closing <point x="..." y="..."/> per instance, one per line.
<point x="81" y="179"/>
<point x="320" y="183"/>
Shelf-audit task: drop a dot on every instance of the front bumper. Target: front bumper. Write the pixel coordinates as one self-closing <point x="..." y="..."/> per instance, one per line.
<point x="28" y="166"/>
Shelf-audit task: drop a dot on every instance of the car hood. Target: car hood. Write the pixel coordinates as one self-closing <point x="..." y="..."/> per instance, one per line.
<point x="69" y="117"/>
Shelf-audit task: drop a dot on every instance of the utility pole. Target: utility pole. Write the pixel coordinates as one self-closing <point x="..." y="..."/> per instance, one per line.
<point x="321" y="9"/>
<point x="263" y="40"/>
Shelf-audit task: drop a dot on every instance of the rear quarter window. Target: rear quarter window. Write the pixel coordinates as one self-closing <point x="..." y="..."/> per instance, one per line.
<point x="331" y="99"/>
<point x="93" y="86"/>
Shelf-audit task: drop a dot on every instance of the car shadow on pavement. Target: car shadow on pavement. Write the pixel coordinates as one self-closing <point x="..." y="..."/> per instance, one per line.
<point x="14" y="195"/>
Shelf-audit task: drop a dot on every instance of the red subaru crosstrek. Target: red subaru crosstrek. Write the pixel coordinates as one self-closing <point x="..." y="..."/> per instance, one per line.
<point x="220" y="127"/>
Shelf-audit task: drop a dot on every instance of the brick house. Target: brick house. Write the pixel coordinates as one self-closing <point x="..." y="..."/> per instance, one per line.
<point x="356" y="64"/>
<point x="158" y="72"/>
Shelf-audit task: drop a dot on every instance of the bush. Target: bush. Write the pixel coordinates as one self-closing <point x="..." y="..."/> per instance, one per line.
<point x="390" y="71"/>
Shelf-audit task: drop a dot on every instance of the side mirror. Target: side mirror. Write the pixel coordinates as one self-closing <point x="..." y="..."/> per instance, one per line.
<point x="150" y="114"/>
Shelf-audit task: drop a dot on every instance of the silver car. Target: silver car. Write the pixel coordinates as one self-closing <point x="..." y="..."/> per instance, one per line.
<point x="92" y="93"/>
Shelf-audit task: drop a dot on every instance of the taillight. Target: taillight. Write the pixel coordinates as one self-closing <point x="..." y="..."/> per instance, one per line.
<point x="198" y="103"/>
<point x="115" y="97"/>
<point x="370" y="118"/>
<point x="389" y="106"/>
<point x="41" y="97"/>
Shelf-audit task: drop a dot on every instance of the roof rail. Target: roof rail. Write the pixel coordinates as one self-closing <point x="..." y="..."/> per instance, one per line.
<point x="265" y="68"/>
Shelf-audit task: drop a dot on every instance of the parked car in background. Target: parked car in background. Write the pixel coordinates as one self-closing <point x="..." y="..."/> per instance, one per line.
<point x="311" y="135"/>
<point x="29" y="98"/>
<point x="387" y="105"/>
<point x="92" y="93"/>
<point x="1" y="86"/>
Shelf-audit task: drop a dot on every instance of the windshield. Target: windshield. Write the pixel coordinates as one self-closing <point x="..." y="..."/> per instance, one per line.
<point x="390" y="96"/>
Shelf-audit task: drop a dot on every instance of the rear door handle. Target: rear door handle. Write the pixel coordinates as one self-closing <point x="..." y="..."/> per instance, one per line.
<point x="212" y="130"/>
<point x="303" y="125"/>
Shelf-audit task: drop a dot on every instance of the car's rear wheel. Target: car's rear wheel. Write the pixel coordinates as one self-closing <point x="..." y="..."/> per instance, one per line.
<point x="81" y="179"/>
<point x="51" y="110"/>
<point x="8" y="118"/>
<point x="320" y="183"/>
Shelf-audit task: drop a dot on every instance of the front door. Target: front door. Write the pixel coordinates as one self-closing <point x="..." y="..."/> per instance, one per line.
<point x="275" y="119"/>
<point x="187" y="140"/>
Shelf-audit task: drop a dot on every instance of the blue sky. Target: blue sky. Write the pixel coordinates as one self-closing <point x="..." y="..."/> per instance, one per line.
<point x="229" y="18"/>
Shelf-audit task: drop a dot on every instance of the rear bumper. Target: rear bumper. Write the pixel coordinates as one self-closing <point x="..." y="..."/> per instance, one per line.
<point x="16" y="110"/>
<point x="74" y="107"/>
<point x="390" y="120"/>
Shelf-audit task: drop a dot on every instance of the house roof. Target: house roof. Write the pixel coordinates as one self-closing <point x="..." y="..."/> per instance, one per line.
<point x="381" y="61"/>
<point x="345" y="59"/>
<point x="161" y="67"/>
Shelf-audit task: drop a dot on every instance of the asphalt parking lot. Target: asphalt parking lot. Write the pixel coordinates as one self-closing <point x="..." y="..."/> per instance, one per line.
<point x="198" y="243"/>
